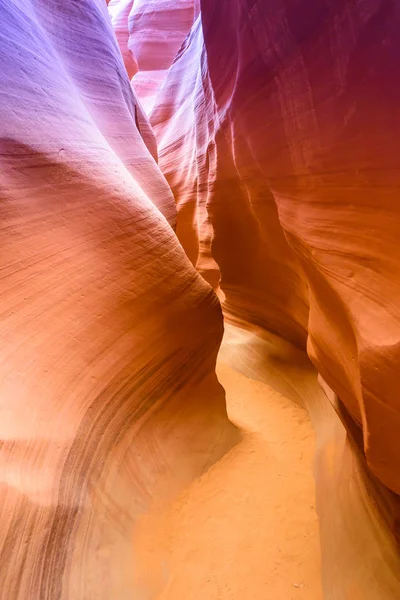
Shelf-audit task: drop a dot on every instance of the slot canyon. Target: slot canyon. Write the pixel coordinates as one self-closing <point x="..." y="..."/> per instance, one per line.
<point x="200" y="300"/>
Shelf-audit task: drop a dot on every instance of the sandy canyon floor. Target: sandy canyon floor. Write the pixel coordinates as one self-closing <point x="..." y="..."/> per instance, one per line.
<point x="247" y="529"/>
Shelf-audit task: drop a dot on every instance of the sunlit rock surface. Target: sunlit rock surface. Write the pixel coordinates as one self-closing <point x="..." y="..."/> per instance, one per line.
<point x="150" y="33"/>
<point x="269" y="169"/>
<point x="109" y="400"/>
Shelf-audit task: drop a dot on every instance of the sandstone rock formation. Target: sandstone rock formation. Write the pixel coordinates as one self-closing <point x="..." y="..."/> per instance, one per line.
<point x="268" y="168"/>
<point x="278" y="133"/>
<point x="289" y="179"/>
<point x="109" y="336"/>
<point x="150" y="33"/>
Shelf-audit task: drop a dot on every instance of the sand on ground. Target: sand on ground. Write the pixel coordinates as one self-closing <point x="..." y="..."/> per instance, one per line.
<point x="247" y="529"/>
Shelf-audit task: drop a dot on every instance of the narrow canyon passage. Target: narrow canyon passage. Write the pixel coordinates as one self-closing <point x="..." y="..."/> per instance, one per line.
<point x="248" y="528"/>
<point x="199" y="300"/>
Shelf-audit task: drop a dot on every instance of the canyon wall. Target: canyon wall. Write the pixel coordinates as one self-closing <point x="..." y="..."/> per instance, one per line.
<point x="276" y="126"/>
<point x="108" y="396"/>
<point x="279" y="138"/>
<point x="278" y="131"/>
<point x="150" y="33"/>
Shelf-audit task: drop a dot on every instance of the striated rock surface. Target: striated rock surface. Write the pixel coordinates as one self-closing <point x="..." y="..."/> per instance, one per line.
<point x="226" y="209"/>
<point x="108" y="395"/>
<point x="280" y="141"/>
<point x="150" y="33"/>
<point x="119" y="12"/>
<point x="276" y="126"/>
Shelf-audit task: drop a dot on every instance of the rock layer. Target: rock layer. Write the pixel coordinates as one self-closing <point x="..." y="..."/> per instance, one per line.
<point x="108" y="395"/>
<point x="150" y="33"/>
<point x="280" y="141"/>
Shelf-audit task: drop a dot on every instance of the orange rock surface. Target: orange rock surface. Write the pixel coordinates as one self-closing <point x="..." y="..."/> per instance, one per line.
<point x="109" y="337"/>
<point x="279" y="139"/>
<point x="149" y="152"/>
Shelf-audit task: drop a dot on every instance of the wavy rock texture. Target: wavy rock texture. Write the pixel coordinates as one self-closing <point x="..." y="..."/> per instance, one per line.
<point x="280" y="140"/>
<point x="108" y="395"/>
<point x="288" y="179"/>
<point x="276" y="127"/>
<point x="226" y="210"/>
<point x="150" y="33"/>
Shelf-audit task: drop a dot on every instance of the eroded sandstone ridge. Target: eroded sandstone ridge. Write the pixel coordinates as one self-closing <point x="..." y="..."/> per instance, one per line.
<point x="108" y="394"/>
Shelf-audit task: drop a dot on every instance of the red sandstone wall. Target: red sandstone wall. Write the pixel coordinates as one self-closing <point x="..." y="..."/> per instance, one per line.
<point x="279" y="135"/>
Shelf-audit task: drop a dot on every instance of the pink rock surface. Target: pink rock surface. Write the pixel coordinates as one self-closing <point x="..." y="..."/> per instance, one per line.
<point x="150" y="33"/>
<point x="119" y="12"/>
<point x="157" y="29"/>
<point x="108" y="395"/>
